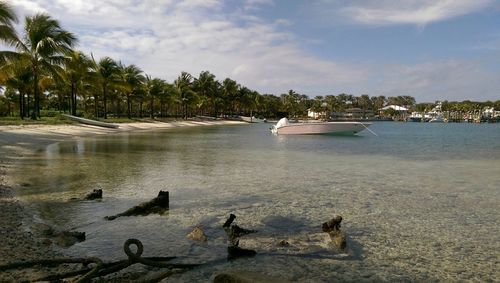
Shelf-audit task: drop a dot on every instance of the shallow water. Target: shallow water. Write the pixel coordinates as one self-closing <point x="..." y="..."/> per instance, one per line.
<point x="419" y="201"/>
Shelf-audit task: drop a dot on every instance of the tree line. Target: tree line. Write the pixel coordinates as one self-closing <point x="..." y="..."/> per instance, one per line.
<point x="44" y="72"/>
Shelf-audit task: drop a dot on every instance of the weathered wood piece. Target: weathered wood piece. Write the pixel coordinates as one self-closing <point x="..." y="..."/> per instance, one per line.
<point x="332" y="224"/>
<point x="96" y="194"/>
<point x="234" y="232"/>
<point x="332" y="227"/>
<point x="158" y="205"/>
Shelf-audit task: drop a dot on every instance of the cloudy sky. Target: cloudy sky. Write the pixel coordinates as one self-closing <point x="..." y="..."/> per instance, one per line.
<point x="429" y="49"/>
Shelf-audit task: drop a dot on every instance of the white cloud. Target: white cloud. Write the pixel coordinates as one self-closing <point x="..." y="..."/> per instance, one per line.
<point x="419" y="12"/>
<point x="449" y="79"/>
<point x="164" y="38"/>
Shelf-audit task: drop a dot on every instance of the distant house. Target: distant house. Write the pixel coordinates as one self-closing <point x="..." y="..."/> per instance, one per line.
<point x="358" y="113"/>
<point x="315" y="115"/>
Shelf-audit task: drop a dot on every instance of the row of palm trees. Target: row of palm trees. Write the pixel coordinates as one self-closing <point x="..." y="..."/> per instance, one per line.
<point x="43" y="70"/>
<point x="43" y="66"/>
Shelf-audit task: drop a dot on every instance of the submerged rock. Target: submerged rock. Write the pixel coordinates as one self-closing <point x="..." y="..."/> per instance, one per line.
<point x="197" y="235"/>
<point x="283" y="243"/>
<point x="61" y="238"/>
<point x="69" y="238"/>
<point x="234" y="252"/>
<point x="158" y="205"/>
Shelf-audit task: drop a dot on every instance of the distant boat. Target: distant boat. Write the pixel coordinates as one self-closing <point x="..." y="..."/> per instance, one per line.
<point x="437" y="119"/>
<point x="415" y="117"/>
<point x="283" y="127"/>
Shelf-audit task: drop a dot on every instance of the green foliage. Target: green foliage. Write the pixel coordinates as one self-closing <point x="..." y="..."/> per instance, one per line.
<point x="49" y="113"/>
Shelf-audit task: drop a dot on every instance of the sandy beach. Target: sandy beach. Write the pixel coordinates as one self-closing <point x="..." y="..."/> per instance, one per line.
<point x="20" y="241"/>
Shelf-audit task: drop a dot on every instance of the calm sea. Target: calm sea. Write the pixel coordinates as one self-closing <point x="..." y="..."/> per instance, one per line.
<point x="420" y="201"/>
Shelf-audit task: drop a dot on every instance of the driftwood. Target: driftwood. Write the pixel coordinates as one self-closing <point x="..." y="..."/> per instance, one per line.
<point x="332" y="227"/>
<point x="333" y="224"/>
<point x="158" y="205"/>
<point x="96" y="194"/>
<point x="234" y="232"/>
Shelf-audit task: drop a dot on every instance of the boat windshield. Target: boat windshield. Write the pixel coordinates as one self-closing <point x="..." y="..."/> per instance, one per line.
<point x="282" y="122"/>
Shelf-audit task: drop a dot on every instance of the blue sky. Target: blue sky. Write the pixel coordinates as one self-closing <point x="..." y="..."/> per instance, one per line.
<point x="429" y="49"/>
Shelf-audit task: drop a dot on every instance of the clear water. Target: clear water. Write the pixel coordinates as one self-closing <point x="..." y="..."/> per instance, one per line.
<point x="420" y="202"/>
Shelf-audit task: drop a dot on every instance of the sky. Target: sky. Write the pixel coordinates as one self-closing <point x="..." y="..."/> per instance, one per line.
<point x="429" y="49"/>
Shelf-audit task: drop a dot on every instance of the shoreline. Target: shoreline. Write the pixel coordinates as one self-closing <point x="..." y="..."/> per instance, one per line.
<point x="20" y="241"/>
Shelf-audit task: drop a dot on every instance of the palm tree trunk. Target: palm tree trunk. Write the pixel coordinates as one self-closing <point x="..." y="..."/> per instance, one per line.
<point x="104" y="101"/>
<point x="27" y="112"/>
<point x="151" y="106"/>
<point x="73" y="99"/>
<point x="21" y="105"/>
<point x="34" y="113"/>
<point x="95" y="105"/>
<point x="129" y="107"/>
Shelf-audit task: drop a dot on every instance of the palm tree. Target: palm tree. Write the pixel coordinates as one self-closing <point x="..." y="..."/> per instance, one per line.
<point x="18" y="76"/>
<point x="43" y="47"/>
<point x="7" y="20"/>
<point x="206" y="86"/>
<point x="75" y="71"/>
<point x="183" y="86"/>
<point x="154" y="87"/>
<point x="165" y="97"/>
<point x="106" y="74"/>
<point x="230" y="92"/>
<point x="132" y="79"/>
<point x="291" y="102"/>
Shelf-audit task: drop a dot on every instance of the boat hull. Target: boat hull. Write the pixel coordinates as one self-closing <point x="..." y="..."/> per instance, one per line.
<point x="339" y="128"/>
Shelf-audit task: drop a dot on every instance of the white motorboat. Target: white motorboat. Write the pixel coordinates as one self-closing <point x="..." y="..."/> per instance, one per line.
<point x="283" y="127"/>
<point x="437" y="119"/>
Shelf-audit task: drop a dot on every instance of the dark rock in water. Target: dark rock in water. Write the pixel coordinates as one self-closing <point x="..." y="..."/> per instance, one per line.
<point x="339" y="239"/>
<point x="96" y="194"/>
<point x="283" y="243"/>
<point x="197" y="235"/>
<point x="69" y="238"/>
<point x="44" y="229"/>
<point x="158" y="205"/>
<point x="62" y="238"/>
<point x="333" y="224"/>
<point x="241" y="276"/>
<point x="234" y="252"/>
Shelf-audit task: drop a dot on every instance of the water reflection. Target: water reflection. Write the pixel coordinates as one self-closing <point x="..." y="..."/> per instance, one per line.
<point x="394" y="192"/>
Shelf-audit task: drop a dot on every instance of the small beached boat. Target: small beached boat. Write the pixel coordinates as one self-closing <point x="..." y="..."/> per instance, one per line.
<point x="251" y="119"/>
<point x="91" y="122"/>
<point x="283" y="127"/>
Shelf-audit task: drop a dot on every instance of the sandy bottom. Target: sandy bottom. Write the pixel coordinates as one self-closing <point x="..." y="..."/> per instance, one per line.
<point x="19" y="242"/>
